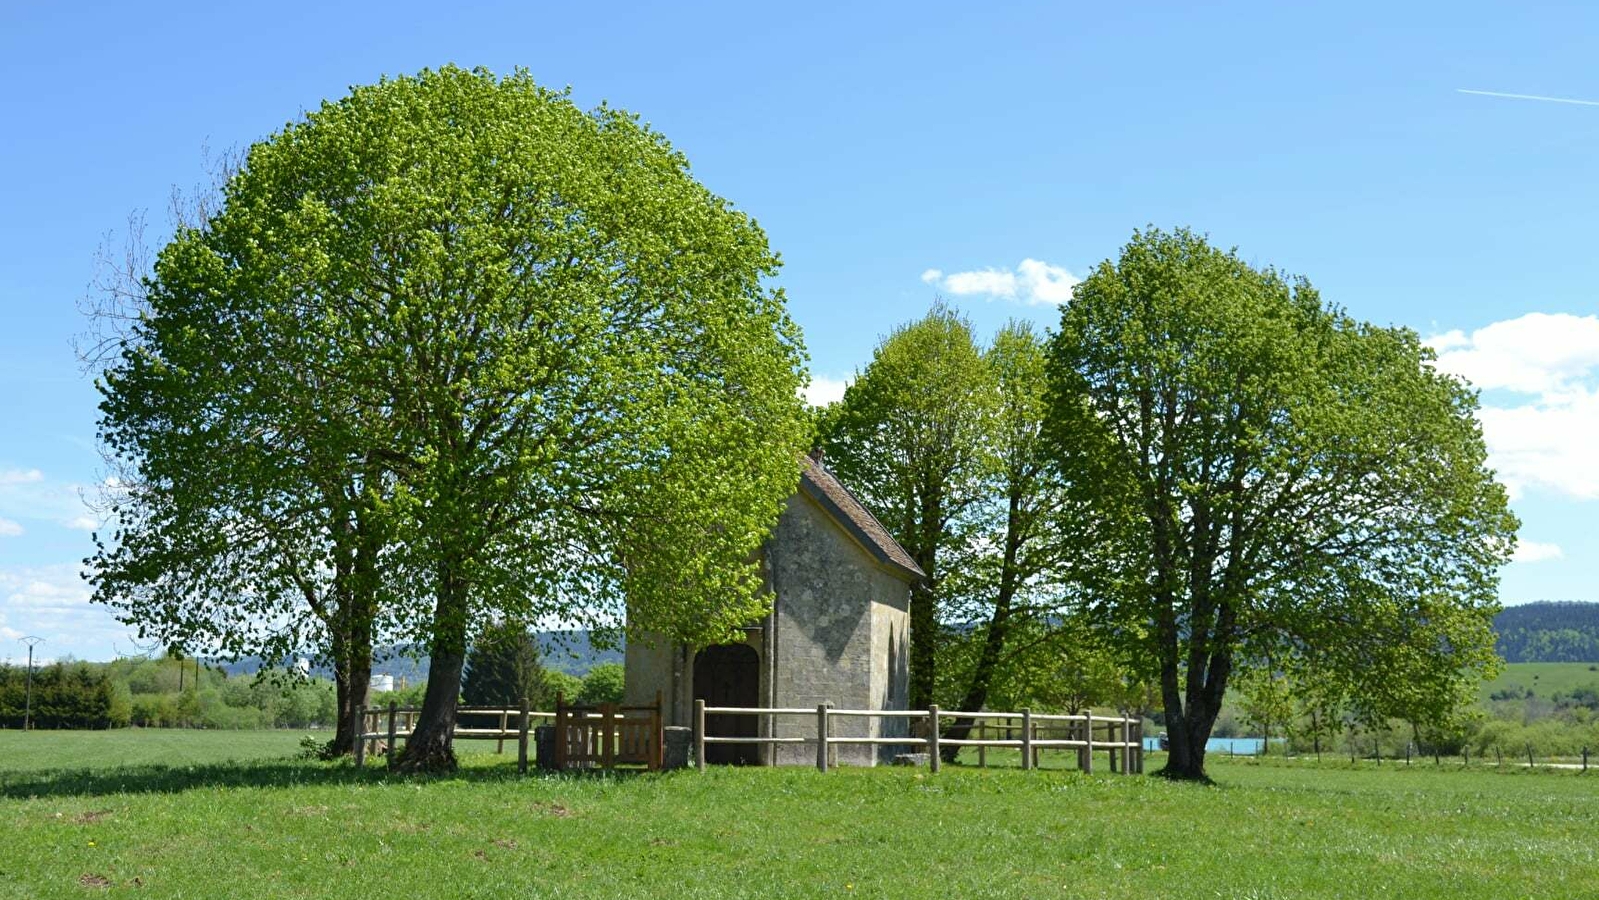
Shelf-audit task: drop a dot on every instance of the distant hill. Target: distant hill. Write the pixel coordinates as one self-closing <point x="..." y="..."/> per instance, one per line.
<point x="572" y="652"/>
<point x="1549" y="633"/>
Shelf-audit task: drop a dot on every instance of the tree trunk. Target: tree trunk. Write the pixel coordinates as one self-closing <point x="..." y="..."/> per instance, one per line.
<point x="431" y="746"/>
<point x="924" y="643"/>
<point x="352" y="678"/>
<point x="1188" y="725"/>
<point x="1188" y="734"/>
<point x="356" y="596"/>
<point x="998" y="628"/>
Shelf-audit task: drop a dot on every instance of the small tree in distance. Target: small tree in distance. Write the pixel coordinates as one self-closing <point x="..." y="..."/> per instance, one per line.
<point x="503" y="668"/>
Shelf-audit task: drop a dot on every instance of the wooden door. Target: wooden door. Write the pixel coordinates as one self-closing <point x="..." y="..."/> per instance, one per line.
<point x="729" y="675"/>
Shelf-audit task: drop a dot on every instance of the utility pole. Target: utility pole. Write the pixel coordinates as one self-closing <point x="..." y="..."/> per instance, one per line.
<point x="27" y="714"/>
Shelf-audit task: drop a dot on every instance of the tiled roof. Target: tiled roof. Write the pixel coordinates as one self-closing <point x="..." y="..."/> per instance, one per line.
<point x="834" y="497"/>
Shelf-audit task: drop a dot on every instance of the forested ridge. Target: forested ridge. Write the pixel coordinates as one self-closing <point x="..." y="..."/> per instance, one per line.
<point x="1548" y="632"/>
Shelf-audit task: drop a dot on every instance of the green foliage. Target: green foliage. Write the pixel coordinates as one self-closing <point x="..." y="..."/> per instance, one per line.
<point x="503" y="669"/>
<point x="74" y="695"/>
<point x="536" y="363"/>
<point x="912" y="438"/>
<point x="1265" y="700"/>
<point x="1548" y="632"/>
<point x="603" y="684"/>
<point x="147" y="693"/>
<point x="1048" y="666"/>
<point x="562" y="684"/>
<point x="1261" y="476"/>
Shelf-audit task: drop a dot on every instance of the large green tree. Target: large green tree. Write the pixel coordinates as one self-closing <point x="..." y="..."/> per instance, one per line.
<point x="1009" y="577"/>
<point x="568" y="366"/>
<point x="244" y="515"/>
<point x="1262" y="476"/>
<point x="912" y="437"/>
<point x="234" y="529"/>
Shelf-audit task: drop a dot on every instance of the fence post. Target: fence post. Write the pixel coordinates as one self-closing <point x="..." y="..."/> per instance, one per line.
<point x="607" y="736"/>
<point x="521" y="739"/>
<point x="933" y="761"/>
<point x="499" y="743"/>
<point x="1585" y="759"/>
<point x="560" y="732"/>
<point x="657" y="736"/>
<point x="982" y="752"/>
<point x="1027" y="738"/>
<point x="1530" y="763"/>
<point x="392" y="733"/>
<point x="1088" y="741"/>
<point x="821" y="737"/>
<point x="699" y="735"/>
<point x="360" y="736"/>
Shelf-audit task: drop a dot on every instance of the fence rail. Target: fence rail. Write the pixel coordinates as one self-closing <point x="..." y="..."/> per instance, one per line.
<point x="514" y="726"/>
<point x="603" y="735"/>
<point x="1123" y="740"/>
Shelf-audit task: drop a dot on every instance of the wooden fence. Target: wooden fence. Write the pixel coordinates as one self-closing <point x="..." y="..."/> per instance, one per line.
<point x="514" y="725"/>
<point x="607" y="734"/>
<point x="1025" y="731"/>
<point x="604" y="735"/>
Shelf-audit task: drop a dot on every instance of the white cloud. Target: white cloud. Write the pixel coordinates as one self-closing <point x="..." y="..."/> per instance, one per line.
<point x="1045" y="283"/>
<point x="1033" y="282"/>
<point x="52" y="602"/>
<point x="993" y="282"/>
<point x="1538" y="353"/>
<point x="1533" y="551"/>
<point x="824" y="390"/>
<point x="1540" y="415"/>
<point x="9" y="528"/>
<point x="26" y="494"/>
<point x="57" y="588"/>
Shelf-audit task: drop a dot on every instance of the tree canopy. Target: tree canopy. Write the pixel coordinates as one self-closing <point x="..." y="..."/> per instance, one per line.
<point x="553" y="348"/>
<point x="912" y="438"/>
<point x="1263" y="477"/>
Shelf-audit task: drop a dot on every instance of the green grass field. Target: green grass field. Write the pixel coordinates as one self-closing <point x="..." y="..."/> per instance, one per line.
<point x="1543" y="679"/>
<point x="197" y="814"/>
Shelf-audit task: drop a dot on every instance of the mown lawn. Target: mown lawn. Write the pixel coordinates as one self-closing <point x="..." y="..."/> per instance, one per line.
<point x="195" y="825"/>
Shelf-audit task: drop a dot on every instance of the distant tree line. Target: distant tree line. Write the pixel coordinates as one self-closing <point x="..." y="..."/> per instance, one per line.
<point x="64" y="696"/>
<point x="1548" y="632"/>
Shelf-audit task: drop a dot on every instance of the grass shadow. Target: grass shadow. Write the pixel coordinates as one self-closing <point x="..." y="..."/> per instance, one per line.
<point x="282" y="773"/>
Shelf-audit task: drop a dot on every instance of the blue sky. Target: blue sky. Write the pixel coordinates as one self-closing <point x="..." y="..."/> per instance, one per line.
<point x="991" y="153"/>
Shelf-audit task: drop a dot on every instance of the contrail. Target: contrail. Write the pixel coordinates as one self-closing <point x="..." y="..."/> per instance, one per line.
<point x="1528" y="97"/>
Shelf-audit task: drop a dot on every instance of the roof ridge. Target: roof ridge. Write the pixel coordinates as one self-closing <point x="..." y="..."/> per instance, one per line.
<point x="857" y="519"/>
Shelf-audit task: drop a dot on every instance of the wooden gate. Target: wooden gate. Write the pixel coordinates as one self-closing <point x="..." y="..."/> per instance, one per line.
<point x="608" y="735"/>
